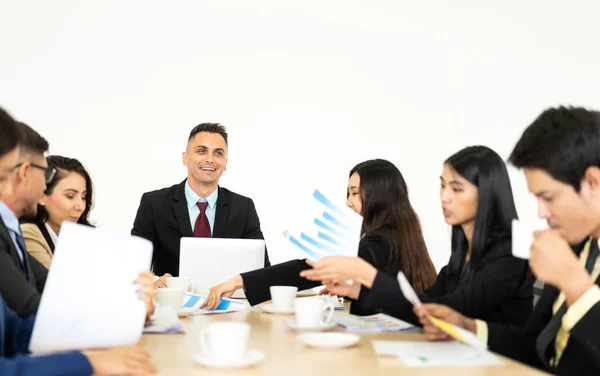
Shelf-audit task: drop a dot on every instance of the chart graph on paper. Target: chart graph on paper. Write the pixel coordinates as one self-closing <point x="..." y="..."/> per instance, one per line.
<point x="320" y="227"/>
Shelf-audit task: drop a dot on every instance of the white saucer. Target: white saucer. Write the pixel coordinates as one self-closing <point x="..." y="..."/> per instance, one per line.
<point x="252" y="357"/>
<point x="184" y="312"/>
<point x="329" y="340"/>
<point x="269" y="308"/>
<point x="321" y="328"/>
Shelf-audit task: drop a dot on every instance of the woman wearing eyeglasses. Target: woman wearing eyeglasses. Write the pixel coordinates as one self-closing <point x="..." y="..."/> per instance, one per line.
<point x="68" y="197"/>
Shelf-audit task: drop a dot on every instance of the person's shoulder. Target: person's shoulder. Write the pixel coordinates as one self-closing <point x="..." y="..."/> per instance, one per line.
<point x="232" y="196"/>
<point x="31" y="230"/>
<point x="499" y="245"/>
<point x="162" y="192"/>
<point x="380" y="236"/>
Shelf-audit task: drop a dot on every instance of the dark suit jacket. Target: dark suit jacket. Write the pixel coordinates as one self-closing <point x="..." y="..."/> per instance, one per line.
<point x="15" y="334"/>
<point x="374" y="248"/>
<point x="500" y="290"/>
<point x="163" y="218"/>
<point x="580" y="357"/>
<point x="22" y="296"/>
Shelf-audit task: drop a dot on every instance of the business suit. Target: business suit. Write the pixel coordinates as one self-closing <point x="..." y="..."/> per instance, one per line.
<point x="374" y="247"/>
<point x="499" y="290"/>
<point x="15" y="334"/>
<point x="38" y="242"/>
<point x="581" y="354"/>
<point x="163" y="218"/>
<point x="21" y="295"/>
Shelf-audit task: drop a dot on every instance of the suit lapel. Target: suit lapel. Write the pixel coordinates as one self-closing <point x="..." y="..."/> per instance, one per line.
<point x="181" y="211"/>
<point x="5" y="235"/>
<point x="221" y="215"/>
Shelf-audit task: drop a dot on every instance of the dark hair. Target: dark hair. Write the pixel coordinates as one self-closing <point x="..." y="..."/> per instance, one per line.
<point x="31" y="141"/>
<point x="210" y="128"/>
<point x="485" y="169"/>
<point x="9" y="131"/>
<point x="385" y="204"/>
<point x="562" y="141"/>
<point x="64" y="166"/>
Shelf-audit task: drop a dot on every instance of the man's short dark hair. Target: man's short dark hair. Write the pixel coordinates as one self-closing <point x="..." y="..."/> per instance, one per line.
<point x="210" y="128"/>
<point x="562" y="141"/>
<point x="9" y="134"/>
<point x="31" y="141"/>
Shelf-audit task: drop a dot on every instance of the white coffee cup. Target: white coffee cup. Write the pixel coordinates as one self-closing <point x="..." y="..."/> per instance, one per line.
<point x="310" y="312"/>
<point x="283" y="297"/>
<point x="225" y="342"/>
<point x="522" y="237"/>
<point x="186" y="284"/>
<point x="170" y="297"/>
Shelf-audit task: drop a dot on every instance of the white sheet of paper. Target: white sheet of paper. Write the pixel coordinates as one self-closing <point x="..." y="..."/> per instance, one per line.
<point x="408" y="291"/>
<point x="522" y="238"/>
<point x="90" y="300"/>
<point x="423" y="354"/>
<point x="320" y="227"/>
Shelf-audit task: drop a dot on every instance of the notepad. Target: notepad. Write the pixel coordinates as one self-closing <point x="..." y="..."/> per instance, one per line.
<point x="373" y="323"/>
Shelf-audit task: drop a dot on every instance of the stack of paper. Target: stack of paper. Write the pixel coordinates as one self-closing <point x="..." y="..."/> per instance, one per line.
<point x="90" y="300"/>
<point x="423" y="354"/>
<point x="374" y="323"/>
<point x="320" y="228"/>
<point x="194" y="301"/>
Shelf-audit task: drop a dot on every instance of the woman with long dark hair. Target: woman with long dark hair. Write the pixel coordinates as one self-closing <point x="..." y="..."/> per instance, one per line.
<point x="68" y="197"/>
<point x="482" y="278"/>
<point x="391" y="241"/>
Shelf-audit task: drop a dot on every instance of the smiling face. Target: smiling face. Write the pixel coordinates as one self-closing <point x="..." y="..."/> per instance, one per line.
<point x="354" y="201"/>
<point x="206" y="158"/>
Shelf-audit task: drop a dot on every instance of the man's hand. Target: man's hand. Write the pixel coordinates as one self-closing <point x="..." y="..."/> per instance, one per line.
<point x="432" y="332"/>
<point x="341" y="268"/>
<point x="225" y="289"/>
<point x="162" y="281"/>
<point x="120" y="361"/>
<point x="554" y="262"/>
<point x="146" y="292"/>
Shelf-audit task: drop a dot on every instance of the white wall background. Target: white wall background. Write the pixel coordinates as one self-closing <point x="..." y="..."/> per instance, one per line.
<point x="306" y="88"/>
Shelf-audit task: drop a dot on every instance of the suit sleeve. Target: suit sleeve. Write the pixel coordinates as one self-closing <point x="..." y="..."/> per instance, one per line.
<point x="252" y="230"/>
<point x="39" y="271"/>
<point x="586" y="330"/>
<point x="16" y="341"/>
<point x="494" y="282"/>
<point x="257" y="282"/>
<point x="20" y="296"/>
<point x="36" y="244"/>
<point x="143" y="225"/>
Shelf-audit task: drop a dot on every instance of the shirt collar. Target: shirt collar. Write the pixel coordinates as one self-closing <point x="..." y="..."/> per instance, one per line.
<point x="53" y="235"/>
<point x="10" y="219"/>
<point x="192" y="198"/>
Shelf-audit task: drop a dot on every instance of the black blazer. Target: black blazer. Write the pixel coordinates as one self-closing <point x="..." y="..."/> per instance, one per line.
<point x="163" y="218"/>
<point x="21" y="296"/>
<point x="580" y="357"/>
<point x="499" y="290"/>
<point x="374" y="247"/>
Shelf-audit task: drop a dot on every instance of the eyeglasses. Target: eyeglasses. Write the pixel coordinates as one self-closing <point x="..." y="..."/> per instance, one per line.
<point x="48" y="172"/>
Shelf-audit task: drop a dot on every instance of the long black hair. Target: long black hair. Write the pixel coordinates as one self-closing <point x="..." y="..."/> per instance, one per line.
<point x="485" y="169"/>
<point x="385" y="204"/>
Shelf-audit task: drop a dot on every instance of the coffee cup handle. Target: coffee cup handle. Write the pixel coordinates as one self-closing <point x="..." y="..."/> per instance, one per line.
<point x="204" y="349"/>
<point x="193" y="286"/>
<point x="329" y="307"/>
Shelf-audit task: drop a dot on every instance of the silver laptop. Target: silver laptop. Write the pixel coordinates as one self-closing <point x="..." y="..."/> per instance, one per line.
<point x="211" y="261"/>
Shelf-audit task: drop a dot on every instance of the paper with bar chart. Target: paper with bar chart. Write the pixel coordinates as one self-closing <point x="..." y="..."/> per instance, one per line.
<point x="319" y="227"/>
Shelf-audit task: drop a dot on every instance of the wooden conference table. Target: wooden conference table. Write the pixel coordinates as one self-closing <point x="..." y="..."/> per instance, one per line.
<point x="286" y="356"/>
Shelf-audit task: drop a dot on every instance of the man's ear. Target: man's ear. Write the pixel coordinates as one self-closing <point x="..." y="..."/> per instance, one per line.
<point x="591" y="178"/>
<point x="184" y="158"/>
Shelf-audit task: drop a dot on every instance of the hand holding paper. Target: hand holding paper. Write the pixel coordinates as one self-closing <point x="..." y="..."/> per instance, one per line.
<point x="427" y="316"/>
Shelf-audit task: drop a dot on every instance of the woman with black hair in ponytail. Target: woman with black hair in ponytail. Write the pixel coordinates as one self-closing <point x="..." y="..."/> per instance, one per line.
<point x="482" y="279"/>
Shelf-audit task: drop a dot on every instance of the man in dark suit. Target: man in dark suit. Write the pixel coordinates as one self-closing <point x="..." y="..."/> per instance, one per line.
<point x="196" y="207"/>
<point x="22" y="277"/>
<point x="560" y="154"/>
